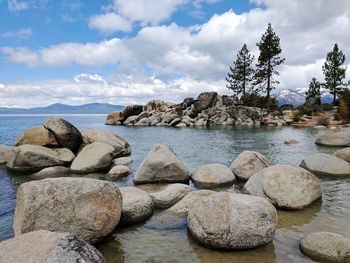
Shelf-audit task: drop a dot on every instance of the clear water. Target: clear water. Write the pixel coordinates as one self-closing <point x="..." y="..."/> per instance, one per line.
<point x="165" y="238"/>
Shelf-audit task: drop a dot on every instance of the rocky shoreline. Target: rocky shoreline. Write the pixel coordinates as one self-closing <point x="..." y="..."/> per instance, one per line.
<point x="61" y="213"/>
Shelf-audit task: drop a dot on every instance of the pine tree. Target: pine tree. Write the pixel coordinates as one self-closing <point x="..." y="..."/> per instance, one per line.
<point x="333" y="72"/>
<point x="314" y="90"/>
<point x="269" y="58"/>
<point x="241" y="74"/>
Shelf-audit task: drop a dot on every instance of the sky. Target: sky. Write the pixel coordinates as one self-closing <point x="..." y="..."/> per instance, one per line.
<point x="132" y="51"/>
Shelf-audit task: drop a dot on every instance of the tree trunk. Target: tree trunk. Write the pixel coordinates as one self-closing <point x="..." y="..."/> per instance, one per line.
<point x="268" y="79"/>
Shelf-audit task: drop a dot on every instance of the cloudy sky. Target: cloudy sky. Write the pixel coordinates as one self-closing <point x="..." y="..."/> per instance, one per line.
<point x="131" y="51"/>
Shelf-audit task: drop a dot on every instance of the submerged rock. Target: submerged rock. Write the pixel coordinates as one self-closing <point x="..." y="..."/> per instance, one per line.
<point x="86" y="208"/>
<point x="45" y="246"/>
<point x="326" y="164"/>
<point x="291" y="141"/>
<point x="232" y="221"/>
<point x="32" y="158"/>
<point x="213" y="175"/>
<point x="326" y="247"/>
<point x="285" y="186"/>
<point x="4" y="154"/>
<point x="37" y="136"/>
<point x="334" y="137"/>
<point x="51" y="172"/>
<point x="161" y="165"/>
<point x="249" y="163"/>
<point x="137" y="206"/>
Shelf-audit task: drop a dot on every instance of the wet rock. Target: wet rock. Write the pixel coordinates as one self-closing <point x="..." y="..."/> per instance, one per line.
<point x="212" y="175"/>
<point x="86" y="208"/>
<point x="343" y="154"/>
<point x="181" y="125"/>
<point x="334" y="137"/>
<point x="122" y="161"/>
<point x="161" y="165"/>
<point x="118" y="171"/>
<point x="232" y="221"/>
<point x="37" y="136"/>
<point x="326" y="247"/>
<point x="33" y="158"/>
<point x="94" y="157"/>
<point x="291" y="141"/>
<point x="285" y="186"/>
<point x="249" y="163"/>
<point x="4" y="154"/>
<point x="326" y="164"/>
<point x="137" y="206"/>
<point x="65" y="133"/>
<point x="51" y="172"/>
<point x="45" y="246"/>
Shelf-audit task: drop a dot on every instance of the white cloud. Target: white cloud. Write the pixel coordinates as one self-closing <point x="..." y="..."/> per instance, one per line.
<point x="15" y="6"/>
<point x="110" y="23"/>
<point x="20" y="33"/>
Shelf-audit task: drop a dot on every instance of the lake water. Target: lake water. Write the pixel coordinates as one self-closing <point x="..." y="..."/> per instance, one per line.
<point x="165" y="238"/>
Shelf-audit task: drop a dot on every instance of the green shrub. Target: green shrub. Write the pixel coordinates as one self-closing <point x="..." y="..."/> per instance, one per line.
<point x="297" y="115"/>
<point x="255" y="100"/>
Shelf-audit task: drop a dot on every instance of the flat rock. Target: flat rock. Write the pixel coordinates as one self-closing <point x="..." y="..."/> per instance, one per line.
<point x="122" y="161"/>
<point x="137" y="206"/>
<point x="232" y="221"/>
<point x="212" y="176"/>
<point x="118" y="171"/>
<point x="161" y="165"/>
<point x="37" y="136"/>
<point x="4" y="154"/>
<point x="326" y="164"/>
<point x="343" y="154"/>
<point x="32" y="158"/>
<point x="191" y="199"/>
<point x="120" y="145"/>
<point x="44" y="246"/>
<point x="285" y="186"/>
<point x="249" y="163"/>
<point x="334" y="137"/>
<point x="326" y="247"/>
<point x="94" y="157"/>
<point x="65" y="133"/>
<point x="51" y="172"/>
<point x="86" y="208"/>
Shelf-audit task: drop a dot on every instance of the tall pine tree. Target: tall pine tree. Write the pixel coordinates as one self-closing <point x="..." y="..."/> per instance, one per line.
<point x="314" y="90"/>
<point x="269" y="58"/>
<point x="241" y="74"/>
<point x="334" y="72"/>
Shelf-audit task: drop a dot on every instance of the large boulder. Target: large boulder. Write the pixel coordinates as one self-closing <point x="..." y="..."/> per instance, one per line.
<point x="285" y="186"/>
<point x="343" y="154"/>
<point x="326" y="247"/>
<point x="249" y="163"/>
<point x="161" y="165"/>
<point x="137" y="206"/>
<point x="157" y="105"/>
<point x="94" y="157"/>
<point x="326" y="164"/>
<point x="120" y="145"/>
<point x="205" y="100"/>
<point x="86" y="208"/>
<point x="44" y="246"/>
<point x="51" y="172"/>
<point x="213" y="175"/>
<point x="65" y="133"/>
<point x="32" y="158"/>
<point x="336" y="137"/>
<point x="4" y="154"/>
<point x="191" y="199"/>
<point x="232" y="221"/>
<point x="37" y="136"/>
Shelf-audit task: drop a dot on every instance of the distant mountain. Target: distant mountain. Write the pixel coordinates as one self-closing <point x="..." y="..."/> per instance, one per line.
<point x="297" y="97"/>
<point x="58" y="108"/>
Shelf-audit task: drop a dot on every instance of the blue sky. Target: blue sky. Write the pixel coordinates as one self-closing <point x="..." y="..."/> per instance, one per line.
<point x="130" y="51"/>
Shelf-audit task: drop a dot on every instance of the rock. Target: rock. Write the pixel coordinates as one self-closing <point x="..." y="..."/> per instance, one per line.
<point x="118" y="172"/>
<point x="4" y="154"/>
<point x="131" y="110"/>
<point x="181" y="125"/>
<point x="122" y="161"/>
<point x="114" y="117"/>
<point x="37" y="136"/>
<point x="326" y="164"/>
<point x="169" y="117"/>
<point x="142" y="115"/>
<point x="86" y="208"/>
<point x="285" y="186"/>
<point x="249" y="163"/>
<point x="94" y="157"/>
<point x="137" y="206"/>
<point x="32" y="158"/>
<point x="169" y="195"/>
<point x="232" y="221"/>
<point x="120" y="145"/>
<point x="143" y="122"/>
<point x="191" y="199"/>
<point x="65" y="133"/>
<point x="130" y="121"/>
<point x="291" y="141"/>
<point x="51" y="172"/>
<point x="175" y="122"/>
<point x="205" y="100"/>
<point x="343" y="154"/>
<point x="320" y="127"/>
<point x="326" y="247"/>
<point x="200" y="122"/>
<point x="161" y="165"/>
<point x="213" y="175"/>
<point x="158" y="105"/>
<point x="335" y="137"/>
<point x="45" y="246"/>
